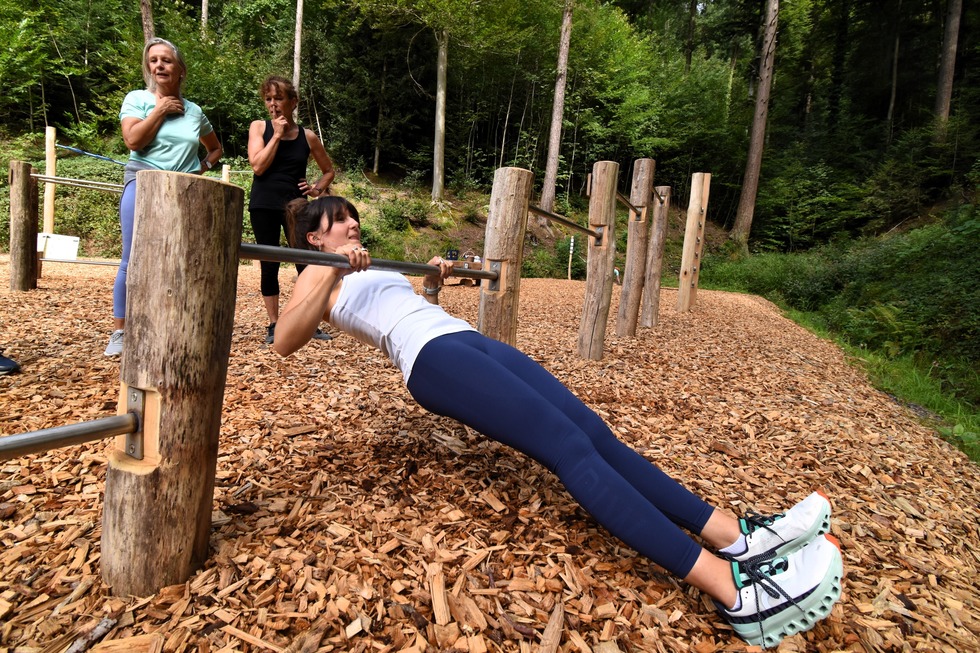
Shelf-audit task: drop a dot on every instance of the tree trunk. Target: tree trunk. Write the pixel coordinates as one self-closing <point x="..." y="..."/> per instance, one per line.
<point x="689" y="40"/>
<point x="439" y="146"/>
<point x="944" y="92"/>
<point x="297" y="50"/>
<point x="381" y="110"/>
<point x="891" y="99"/>
<point x="146" y="11"/>
<point x="750" y="182"/>
<point x="204" y="18"/>
<point x="557" y="113"/>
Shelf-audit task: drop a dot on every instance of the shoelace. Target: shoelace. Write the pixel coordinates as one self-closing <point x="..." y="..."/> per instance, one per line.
<point x="756" y="521"/>
<point x="758" y="570"/>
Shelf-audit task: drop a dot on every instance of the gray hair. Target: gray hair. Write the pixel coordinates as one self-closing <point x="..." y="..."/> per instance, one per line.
<point x="151" y="83"/>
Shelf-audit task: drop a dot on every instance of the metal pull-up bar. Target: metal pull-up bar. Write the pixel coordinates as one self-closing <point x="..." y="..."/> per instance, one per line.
<point x="309" y="257"/>
<point x="554" y="217"/>
<point x="21" y="444"/>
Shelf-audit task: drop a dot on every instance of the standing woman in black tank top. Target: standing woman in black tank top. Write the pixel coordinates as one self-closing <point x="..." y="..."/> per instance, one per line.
<point x="279" y="151"/>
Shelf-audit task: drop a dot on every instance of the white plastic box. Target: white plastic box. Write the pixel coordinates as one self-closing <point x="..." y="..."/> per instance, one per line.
<point x="53" y="246"/>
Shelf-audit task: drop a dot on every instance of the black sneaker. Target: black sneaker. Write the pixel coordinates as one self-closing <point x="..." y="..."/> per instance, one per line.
<point x="270" y="334"/>
<point x="322" y="335"/>
<point x="8" y="365"/>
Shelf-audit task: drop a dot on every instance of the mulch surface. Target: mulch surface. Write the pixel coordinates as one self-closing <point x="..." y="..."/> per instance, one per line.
<point x="348" y="519"/>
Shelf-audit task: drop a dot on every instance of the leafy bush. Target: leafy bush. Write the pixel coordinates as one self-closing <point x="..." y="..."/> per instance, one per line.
<point x="401" y="214"/>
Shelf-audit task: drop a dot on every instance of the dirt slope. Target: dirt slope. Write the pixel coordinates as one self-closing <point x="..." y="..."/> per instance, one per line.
<point x="335" y="494"/>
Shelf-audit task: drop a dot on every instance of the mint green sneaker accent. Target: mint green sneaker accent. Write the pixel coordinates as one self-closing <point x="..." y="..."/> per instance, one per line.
<point x="784" y="533"/>
<point x="782" y="596"/>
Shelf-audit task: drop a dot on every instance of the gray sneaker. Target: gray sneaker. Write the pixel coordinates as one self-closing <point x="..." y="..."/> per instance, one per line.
<point x="115" y="346"/>
<point x="322" y="335"/>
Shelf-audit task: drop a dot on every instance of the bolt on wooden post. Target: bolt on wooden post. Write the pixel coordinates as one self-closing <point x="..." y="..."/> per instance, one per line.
<point x="638" y="235"/>
<point x="650" y="305"/>
<point x="697" y="212"/>
<point x="503" y="250"/>
<point x="23" y="227"/>
<point x="180" y="311"/>
<point x="599" y="280"/>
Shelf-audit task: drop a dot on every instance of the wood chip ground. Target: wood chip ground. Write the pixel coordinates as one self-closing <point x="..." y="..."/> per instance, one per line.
<point x="348" y="519"/>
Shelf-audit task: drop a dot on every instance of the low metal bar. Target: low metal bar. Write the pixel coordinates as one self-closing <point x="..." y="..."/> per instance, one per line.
<point x="554" y="217"/>
<point x="77" y="260"/>
<point x="310" y="257"/>
<point x="21" y="444"/>
<point x="625" y="200"/>
<point x="81" y="183"/>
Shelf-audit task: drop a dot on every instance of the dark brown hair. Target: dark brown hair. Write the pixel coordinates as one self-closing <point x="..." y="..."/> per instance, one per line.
<point x="278" y="83"/>
<point x="304" y="216"/>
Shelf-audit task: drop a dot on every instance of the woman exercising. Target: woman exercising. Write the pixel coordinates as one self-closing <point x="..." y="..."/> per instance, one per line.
<point x="772" y="576"/>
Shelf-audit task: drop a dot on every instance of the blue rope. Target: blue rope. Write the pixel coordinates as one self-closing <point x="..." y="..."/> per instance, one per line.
<point x="96" y="156"/>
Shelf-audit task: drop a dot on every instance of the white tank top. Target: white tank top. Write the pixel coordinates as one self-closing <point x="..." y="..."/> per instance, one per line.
<point x="382" y="309"/>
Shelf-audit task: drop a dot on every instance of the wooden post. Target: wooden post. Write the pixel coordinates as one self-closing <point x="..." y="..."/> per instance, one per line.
<point x="179" y="316"/>
<point x="697" y="211"/>
<point x="650" y="311"/>
<point x="50" y="170"/>
<point x="638" y="235"/>
<point x="23" y="227"/>
<point x="503" y="249"/>
<point x="599" y="279"/>
<point x="226" y="173"/>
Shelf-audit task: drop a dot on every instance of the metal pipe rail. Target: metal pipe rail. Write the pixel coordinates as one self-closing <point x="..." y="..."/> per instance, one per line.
<point x="21" y="444"/>
<point x="554" y="217"/>
<point x="310" y="257"/>
<point x="78" y="260"/>
<point x="625" y="200"/>
<point x="81" y="183"/>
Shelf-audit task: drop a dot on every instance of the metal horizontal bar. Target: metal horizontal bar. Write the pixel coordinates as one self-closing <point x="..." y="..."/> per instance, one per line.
<point x="21" y="444"/>
<point x="625" y="200"/>
<point x="554" y="217"/>
<point x="78" y="260"/>
<point x="81" y="183"/>
<point x="310" y="257"/>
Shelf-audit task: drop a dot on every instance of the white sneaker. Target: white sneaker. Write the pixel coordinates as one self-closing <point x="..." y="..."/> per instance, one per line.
<point x="785" y="595"/>
<point x="783" y="533"/>
<point x="115" y="346"/>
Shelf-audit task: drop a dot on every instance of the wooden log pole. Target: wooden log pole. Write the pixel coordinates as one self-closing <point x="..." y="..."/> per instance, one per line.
<point x="50" y="170"/>
<point x="697" y="212"/>
<point x="601" y="260"/>
<point x="23" y="227"/>
<point x="650" y="305"/>
<point x="637" y="237"/>
<point x="179" y="316"/>
<point x="503" y="251"/>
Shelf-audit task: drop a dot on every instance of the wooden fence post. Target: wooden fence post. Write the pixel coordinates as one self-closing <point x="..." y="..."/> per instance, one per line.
<point x="599" y="279"/>
<point x="50" y="170"/>
<point x="697" y="209"/>
<point x="503" y="251"/>
<point x="650" y="311"/>
<point x="23" y="227"/>
<point x="636" y="248"/>
<point x="179" y="317"/>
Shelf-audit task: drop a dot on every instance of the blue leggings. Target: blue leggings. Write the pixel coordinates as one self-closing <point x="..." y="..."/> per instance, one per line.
<point x="127" y="213"/>
<point x="513" y="400"/>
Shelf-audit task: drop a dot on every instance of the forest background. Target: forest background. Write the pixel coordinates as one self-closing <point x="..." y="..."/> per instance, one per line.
<point x="865" y="220"/>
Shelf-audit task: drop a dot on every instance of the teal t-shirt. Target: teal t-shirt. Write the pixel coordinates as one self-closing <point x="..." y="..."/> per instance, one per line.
<point x="175" y="145"/>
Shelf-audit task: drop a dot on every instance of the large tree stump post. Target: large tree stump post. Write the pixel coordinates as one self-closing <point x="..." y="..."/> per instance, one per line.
<point x="23" y="227"/>
<point x="650" y="311"/>
<point x="697" y="213"/>
<point x="637" y="237"/>
<point x="179" y="317"/>
<point x="599" y="278"/>
<point x="503" y="251"/>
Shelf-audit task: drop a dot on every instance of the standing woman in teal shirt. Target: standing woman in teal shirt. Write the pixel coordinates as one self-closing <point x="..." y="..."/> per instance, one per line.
<point x="163" y="131"/>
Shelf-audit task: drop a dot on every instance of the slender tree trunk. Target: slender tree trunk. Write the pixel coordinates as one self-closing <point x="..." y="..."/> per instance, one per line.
<point x="204" y="18"/>
<point x="297" y="51"/>
<point x="381" y="109"/>
<point x="510" y="103"/>
<point x="947" y="66"/>
<point x="839" y="58"/>
<point x="750" y="183"/>
<point x="146" y="11"/>
<point x="891" y="99"/>
<point x="689" y="39"/>
<point x="439" y="146"/>
<point x="557" y="115"/>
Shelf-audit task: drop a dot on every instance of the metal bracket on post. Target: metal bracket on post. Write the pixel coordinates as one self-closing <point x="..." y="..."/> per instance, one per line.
<point x="494" y="284"/>
<point x="135" y="404"/>
<point x="598" y="236"/>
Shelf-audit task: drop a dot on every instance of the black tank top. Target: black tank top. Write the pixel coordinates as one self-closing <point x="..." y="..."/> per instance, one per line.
<point x="274" y="188"/>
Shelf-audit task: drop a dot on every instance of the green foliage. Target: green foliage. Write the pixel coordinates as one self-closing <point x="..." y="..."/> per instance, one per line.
<point x="400" y="215"/>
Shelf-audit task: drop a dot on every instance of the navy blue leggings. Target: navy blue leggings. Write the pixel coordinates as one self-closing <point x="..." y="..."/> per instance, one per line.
<point x="513" y="400"/>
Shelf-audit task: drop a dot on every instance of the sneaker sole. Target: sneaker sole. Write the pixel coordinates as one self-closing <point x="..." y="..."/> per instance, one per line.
<point x="802" y="617"/>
